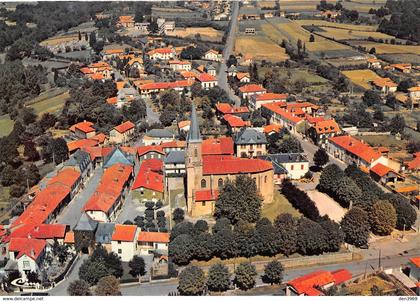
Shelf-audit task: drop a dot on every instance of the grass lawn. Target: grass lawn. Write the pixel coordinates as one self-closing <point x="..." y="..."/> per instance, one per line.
<point x="295" y="74"/>
<point x="363" y="288"/>
<point x="324" y="23"/>
<point x="382" y="48"/>
<point x="279" y="205"/>
<point x="361" y="77"/>
<point x="50" y="105"/>
<point x="349" y="34"/>
<point x="382" y="140"/>
<point x="6" y="125"/>
<point x="259" y="47"/>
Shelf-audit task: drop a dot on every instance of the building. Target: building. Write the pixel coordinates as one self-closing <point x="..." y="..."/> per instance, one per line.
<point x="243" y="77"/>
<point x="250" y="31"/>
<point x="256" y="101"/>
<point x="282" y="117"/>
<point x="289" y="165"/>
<point x="235" y="123"/>
<point x="207" y="81"/>
<point x="249" y="13"/>
<point x="223" y="108"/>
<point x="353" y="151"/>
<point x="212" y="55"/>
<point x="154" y="88"/>
<point x="271" y="129"/>
<point x="27" y="253"/>
<point x="404" y="68"/>
<point x="250" y="143"/>
<point x="121" y="133"/>
<point x="148" y="186"/>
<point x="117" y="155"/>
<point x="164" y="26"/>
<point x="414" y="96"/>
<point x="103" y="235"/>
<point x="247" y="91"/>
<point x="83" y="130"/>
<point x="81" y="162"/>
<point x="184" y="126"/>
<point x="149" y="242"/>
<point x="384" y="85"/>
<point x="126" y="21"/>
<point x="176" y="65"/>
<point x="84" y="234"/>
<point x="206" y="174"/>
<point x="174" y="164"/>
<point x="149" y="152"/>
<point x="210" y="69"/>
<point x="322" y="130"/>
<point x="161" y="54"/>
<point x="69" y="178"/>
<point x="414" y="266"/>
<point x="383" y="174"/>
<point x="123" y="241"/>
<point x="312" y="284"/>
<point x="374" y="63"/>
<point x="157" y="136"/>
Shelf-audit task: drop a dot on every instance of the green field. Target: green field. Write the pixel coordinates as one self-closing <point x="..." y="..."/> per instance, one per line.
<point x="279" y="205"/>
<point x="295" y="74"/>
<point x="6" y="125"/>
<point x="52" y="104"/>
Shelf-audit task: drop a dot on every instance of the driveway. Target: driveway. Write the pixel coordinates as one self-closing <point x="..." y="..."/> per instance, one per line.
<point x="326" y="205"/>
<point x="131" y="208"/>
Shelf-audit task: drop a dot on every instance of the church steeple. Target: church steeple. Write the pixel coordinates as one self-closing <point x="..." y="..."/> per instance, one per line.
<point x="194" y="132"/>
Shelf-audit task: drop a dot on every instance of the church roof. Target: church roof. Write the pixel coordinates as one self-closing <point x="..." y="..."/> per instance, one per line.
<point x="86" y="223"/>
<point x="194" y="133"/>
<point x="118" y="156"/>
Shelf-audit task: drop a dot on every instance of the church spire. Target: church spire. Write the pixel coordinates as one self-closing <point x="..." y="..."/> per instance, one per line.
<point x="194" y="132"/>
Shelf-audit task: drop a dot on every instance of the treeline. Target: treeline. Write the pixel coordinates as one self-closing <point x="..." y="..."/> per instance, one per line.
<point x="300" y="200"/>
<point x="405" y="19"/>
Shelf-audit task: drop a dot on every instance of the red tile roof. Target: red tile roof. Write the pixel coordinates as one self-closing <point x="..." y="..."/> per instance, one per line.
<point x="67" y="177"/>
<point x="100" y="137"/>
<point x="188" y="74"/>
<point x="97" y="151"/>
<point x="222" y="165"/>
<point x="27" y="246"/>
<point x="356" y="147"/>
<point x="112" y="100"/>
<point x="272" y="128"/>
<point x="124" y="127"/>
<point x="40" y="231"/>
<point x="271" y="96"/>
<point x="69" y="238"/>
<point x="416" y="261"/>
<point x="124" y="233"/>
<point x="235" y="121"/>
<point x="160" y="50"/>
<point x="313" y="120"/>
<point x="241" y="75"/>
<point x="217" y="146"/>
<point x="205" y="77"/>
<point x="173" y="144"/>
<point x="167" y="85"/>
<point x="276" y="108"/>
<point x="326" y="127"/>
<point x="415" y="163"/>
<point x="161" y="237"/>
<point x="226" y="108"/>
<point x="152" y="164"/>
<point x="148" y="179"/>
<point x="381" y="170"/>
<point x="84" y="125"/>
<point x="341" y="276"/>
<point x="142" y="150"/>
<point x="81" y="143"/>
<point x="250" y="88"/>
<point x="206" y="195"/>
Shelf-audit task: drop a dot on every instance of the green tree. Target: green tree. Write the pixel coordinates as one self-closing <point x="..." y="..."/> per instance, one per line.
<point x="347" y="192"/>
<point x="136" y="111"/>
<point x="286" y="225"/>
<point x="406" y="214"/>
<point x="371" y="98"/>
<point x="191" y="281"/>
<point x="267" y="239"/>
<point x="397" y="124"/>
<point x="239" y="200"/>
<point x="181" y="249"/>
<point x="311" y="38"/>
<point x="289" y="144"/>
<point x="137" y="266"/>
<point x="356" y="228"/>
<point x="218" y="278"/>
<point x="167" y="116"/>
<point x="108" y="286"/>
<point x="78" y="288"/>
<point x="91" y="271"/>
<point x="273" y="272"/>
<point x="383" y="218"/>
<point x="311" y="237"/>
<point x="245" y="275"/>
<point x="334" y="234"/>
<point x="330" y="177"/>
<point x="321" y="157"/>
<point x="178" y="215"/>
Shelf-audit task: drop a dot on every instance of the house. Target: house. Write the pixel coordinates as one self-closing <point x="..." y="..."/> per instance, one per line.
<point x="271" y="129"/>
<point x="243" y="77"/>
<point x="414" y="266"/>
<point x="83" y="130"/>
<point x="149" y="242"/>
<point x="312" y="284"/>
<point x="296" y="165"/>
<point x="384" y="85"/>
<point x="157" y="136"/>
<point x="256" y="101"/>
<point x="51" y="233"/>
<point x="212" y="55"/>
<point x="126" y="21"/>
<point x="103" y="235"/>
<point x="414" y="164"/>
<point x="164" y="26"/>
<point x="232" y="71"/>
<point x="210" y="69"/>
<point x="176" y="65"/>
<point x="353" y="151"/>
<point x="414" y="96"/>
<point x="322" y="130"/>
<point x="174" y="164"/>
<point x="81" y="162"/>
<point x="404" y="68"/>
<point x="28" y="254"/>
<point x="223" y="108"/>
<point x="250" y="31"/>
<point x="383" y="174"/>
<point x="282" y="117"/>
<point x="69" y="178"/>
<point x="148" y="186"/>
<point x="207" y="81"/>
<point x="249" y="13"/>
<point x="123" y="241"/>
<point x="184" y="126"/>
<point x="250" y="143"/>
<point x="108" y="54"/>
<point x="374" y="63"/>
<point x="121" y="133"/>
<point x="73" y="146"/>
<point x="188" y="75"/>
<point x="150" y="152"/>
<point x="331" y="14"/>
<point x="235" y="123"/>
<point x="161" y="54"/>
<point x="136" y="63"/>
<point x="118" y="155"/>
<point x="174" y="145"/>
<point x="222" y="146"/>
<point x="154" y="88"/>
<point x="248" y="90"/>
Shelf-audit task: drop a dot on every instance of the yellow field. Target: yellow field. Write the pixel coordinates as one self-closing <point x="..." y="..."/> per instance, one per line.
<point x="271" y="4"/>
<point x="389" y="48"/>
<point x="337" y="25"/>
<point x="57" y="40"/>
<point x="50" y="105"/>
<point x="363" y="288"/>
<point x="348" y="34"/>
<point x="361" y="77"/>
<point x="207" y="33"/>
<point x="259" y="48"/>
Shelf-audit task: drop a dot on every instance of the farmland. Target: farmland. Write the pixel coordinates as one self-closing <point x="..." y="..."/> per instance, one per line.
<point x="6" y="125"/>
<point x="382" y="48"/>
<point x="323" y="23"/>
<point x="206" y="33"/>
<point x="349" y="34"/>
<point x="49" y="102"/>
<point x="259" y="47"/>
<point x="362" y="6"/>
<point x="296" y="74"/>
<point x="361" y="77"/>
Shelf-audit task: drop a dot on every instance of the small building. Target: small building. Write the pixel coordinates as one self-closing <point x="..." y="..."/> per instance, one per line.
<point x="157" y="136"/>
<point x="176" y="65"/>
<point x="83" y="130"/>
<point x="296" y="165"/>
<point x="404" y="68"/>
<point x="84" y="234"/>
<point x="250" y="143"/>
<point x="212" y="55"/>
<point x="256" y="101"/>
<point x="243" y="77"/>
<point x="123" y="241"/>
<point x="161" y="54"/>
<point x="250" y="31"/>
<point x="149" y="152"/>
<point x="247" y="91"/>
<point x="223" y="109"/>
<point x="81" y="162"/>
<point x="271" y="129"/>
<point x="210" y="69"/>
<point x="282" y="117"/>
<point x="121" y="133"/>
<point x="414" y="266"/>
<point x="207" y="81"/>
<point x="184" y="126"/>
<point x="374" y="63"/>
<point x="414" y="96"/>
<point x="232" y="70"/>
<point x="322" y="130"/>
<point x="103" y="235"/>
<point x="126" y="21"/>
<point x="235" y="123"/>
<point x="118" y="156"/>
<point x="383" y="174"/>
<point x="384" y="85"/>
<point x="174" y="164"/>
<point x="148" y="186"/>
<point x="149" y="242"/>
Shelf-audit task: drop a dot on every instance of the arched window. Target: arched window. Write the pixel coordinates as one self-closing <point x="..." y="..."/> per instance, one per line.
<point x="203" y="183"/>
<point x="220" y="183"/>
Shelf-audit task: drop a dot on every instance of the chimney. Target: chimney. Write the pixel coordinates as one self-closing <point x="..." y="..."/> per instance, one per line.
<point x="32" y="252"/>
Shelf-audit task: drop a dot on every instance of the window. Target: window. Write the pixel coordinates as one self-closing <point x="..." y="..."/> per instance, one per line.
<point x="203" y="204"/>
<point x="220" y="183"/>
<point x="265" y="179"/>
<point x="292" y="167"/>
<point x="203" y="183"/>
<point x="195" y="153"/>
<point x="119" y="242"/>
<point x="26" y="265"/>
<point x="301" y="167"/>
<point x="119" y="251"/>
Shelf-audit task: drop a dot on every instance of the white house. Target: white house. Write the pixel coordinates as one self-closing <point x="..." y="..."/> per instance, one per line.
<point x="123" y="241"/>
<point x="249" y="90"/>
<point x="207" y="81"/>
<point x="180" y="65"/>
<point x="213" y="55"/>
<point x="152" y="241"/>
<point x="257" y="100"/>
<point x="162" y="54"/>
<point x="157" y="136"/>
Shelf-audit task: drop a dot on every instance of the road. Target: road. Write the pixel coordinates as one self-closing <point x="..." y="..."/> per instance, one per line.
<point x="222" y="76"/>
<point x="71" y="214"/>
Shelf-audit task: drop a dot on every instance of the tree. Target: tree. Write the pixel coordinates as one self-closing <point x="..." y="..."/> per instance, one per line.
<point x="378" y="114"/>
<point x="58" y="150"/>
<point x="273" y="273"/>
<point x="321" y="157"/>
<point x="201" y="226"/>
<point x="406" y="214"/>
<point x="239" y="200"/>
<point x="311" y="38"/>
<point x="135" y="111"/>
<point x="245" y="275"/>
<point x="191" y="281"/>
<point x="289" y="144"/>
<point x="334" y="234"/>
<point x="347" y="192"/>
<point x="406" y="84"/>
<point x="137" y="266"/>
<point x="300" y="200"/>
<point x="383" y="218"/>
<point x="286" y="225"/>
<point x="108" y="286"/>
<point x="355" y="225"/>
<point x="178" y="215"/>
<point x="181" y="249"/>
<point x="78" y="288"/>
<point x="266" y="238"/>
<point x="167" y="116"/>
<point x="231" y="61"/>
<point x="397" y="124"/>
<point x="371" y="98"/>
<point x="91" y="271"/>
<point x="311" y="237"/>
<point x="218" y="278"/>
<point x="224" y="243"/>
<point x="329" y="177"/>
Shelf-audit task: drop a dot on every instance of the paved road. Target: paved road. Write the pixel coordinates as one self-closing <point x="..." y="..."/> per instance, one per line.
<point x="222" y="76"/>
<point x="71" y="214"/>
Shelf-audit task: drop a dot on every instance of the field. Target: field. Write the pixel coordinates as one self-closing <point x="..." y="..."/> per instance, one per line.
<point x="361" y="6"/>
<point x="361" y="77"/>
<point x="326" y="205"/>
<point x="346" y="62"/>
<point x="206" y="33"/>
<point x="411" y="117"/>
<point x="349" y="34"/>
<point x="381" y="140"/>
<point x="279" y="205"/>
<point x="259" y="48"/>
<point x="49" y="102"/>
<point x="6" y="125"/>
<point x="382" y="48"/>
<point x="296" y="74"/>
<point x="401" y="58"/>
<point x="323" y="23"/>
<point x="363" y="288"/>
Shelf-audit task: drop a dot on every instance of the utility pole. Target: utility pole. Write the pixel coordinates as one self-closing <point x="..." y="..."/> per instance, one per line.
<point x="379" y="263"/>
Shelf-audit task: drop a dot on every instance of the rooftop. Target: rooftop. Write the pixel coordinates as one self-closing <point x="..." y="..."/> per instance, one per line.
<point x="232" y="165"/>
<point x="356" y="147"/>
<point x="217" y="146"/>
<point x="124" y="232"/>
<point x="159" y="237"/>
<point x="250" y="136"/>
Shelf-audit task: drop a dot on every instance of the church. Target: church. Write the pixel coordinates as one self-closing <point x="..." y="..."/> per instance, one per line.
<point x="210" y="163"/>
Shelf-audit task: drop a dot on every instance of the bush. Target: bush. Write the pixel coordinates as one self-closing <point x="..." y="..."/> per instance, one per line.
<point x="245" y="275"/>
<point x="300" y="200"/>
